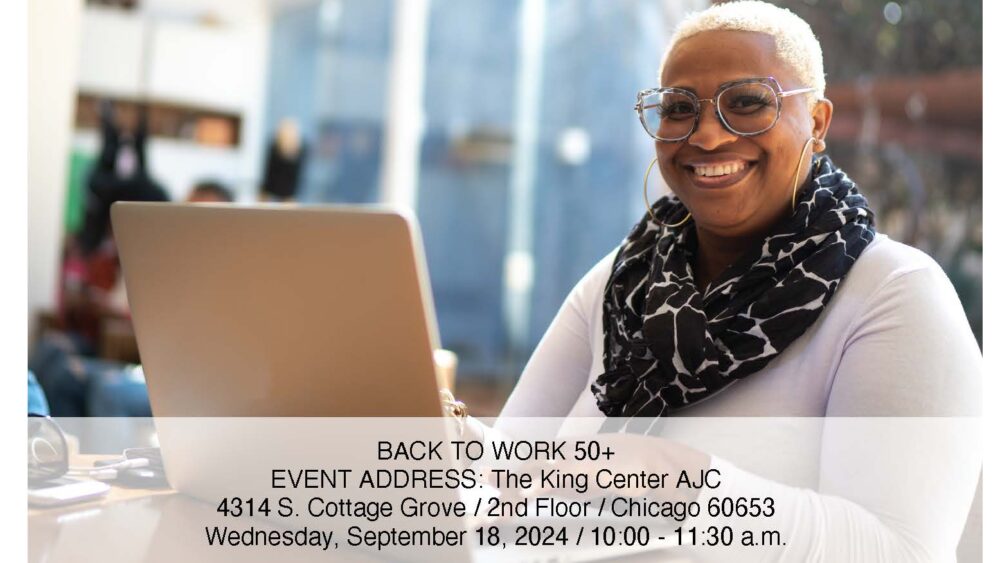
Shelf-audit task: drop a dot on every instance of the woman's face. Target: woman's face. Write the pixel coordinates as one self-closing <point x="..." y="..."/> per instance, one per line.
<point x="749" y="200"/>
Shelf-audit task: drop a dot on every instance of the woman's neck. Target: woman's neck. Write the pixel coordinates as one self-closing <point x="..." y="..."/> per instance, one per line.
<point x="716" y="253"/>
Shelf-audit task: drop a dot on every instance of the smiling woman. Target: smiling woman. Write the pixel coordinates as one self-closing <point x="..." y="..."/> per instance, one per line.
<point x="764" y="267"/>
<point x="760" y="133"/>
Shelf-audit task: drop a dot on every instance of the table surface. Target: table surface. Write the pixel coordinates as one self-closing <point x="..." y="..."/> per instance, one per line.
<point x="114" y="495"/>
<point x="132" y="524"/>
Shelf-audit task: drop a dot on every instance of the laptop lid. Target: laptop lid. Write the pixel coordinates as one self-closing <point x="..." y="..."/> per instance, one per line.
<point x="279" y="310"/>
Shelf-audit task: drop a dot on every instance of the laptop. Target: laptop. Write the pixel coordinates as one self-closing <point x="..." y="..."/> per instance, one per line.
<point x="278" y="310"/>
<point x="249" y="320"/>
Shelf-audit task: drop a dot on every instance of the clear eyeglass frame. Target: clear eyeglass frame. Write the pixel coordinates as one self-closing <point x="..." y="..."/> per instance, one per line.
<point x="769" y="81"/>
<point x="48" y="452"/>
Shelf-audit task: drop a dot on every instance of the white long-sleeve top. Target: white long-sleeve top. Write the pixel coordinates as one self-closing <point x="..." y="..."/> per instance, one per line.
<point x="892" y="342"/>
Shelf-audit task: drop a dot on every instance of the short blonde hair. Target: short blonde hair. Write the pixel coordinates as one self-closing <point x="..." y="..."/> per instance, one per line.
<point x="794" y="40"/>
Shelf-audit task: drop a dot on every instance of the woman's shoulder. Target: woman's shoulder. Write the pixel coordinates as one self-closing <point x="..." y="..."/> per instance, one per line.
<point x="593" y="282"/>
<point x="889" y="264"/>
<point x="907" y="345"/>
<point x="587" y="296"/>
<point x="889" y="258"/>
<point x="893" y="285"/>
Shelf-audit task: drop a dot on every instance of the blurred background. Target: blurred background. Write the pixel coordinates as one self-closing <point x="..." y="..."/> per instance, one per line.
<point x="506" y="125"/>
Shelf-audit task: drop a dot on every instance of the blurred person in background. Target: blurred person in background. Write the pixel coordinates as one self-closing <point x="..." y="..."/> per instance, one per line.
<point x="285" y="159"/>
<point x="74" y="381"/>
<point x="761" y="287"/>
<point x="120" y="174"/>
<point x="210" y="191"/>
<point x="92" y="288"/>
<point x="37" y="404"/>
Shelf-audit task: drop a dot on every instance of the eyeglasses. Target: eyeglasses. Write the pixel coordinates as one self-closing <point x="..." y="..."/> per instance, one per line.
<point x="48" y="455"/>
<point x="744" y="107"/>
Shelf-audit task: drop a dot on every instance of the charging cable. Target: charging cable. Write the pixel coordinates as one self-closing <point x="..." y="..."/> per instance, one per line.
<point x="108" y="472"/>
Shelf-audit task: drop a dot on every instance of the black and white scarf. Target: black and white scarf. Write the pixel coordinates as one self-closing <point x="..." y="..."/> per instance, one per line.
<point x="668" y="346"/>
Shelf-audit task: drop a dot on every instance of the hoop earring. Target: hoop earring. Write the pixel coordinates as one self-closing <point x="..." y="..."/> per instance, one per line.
<point x="649" y="209"/>
<point x="798" y="168"/>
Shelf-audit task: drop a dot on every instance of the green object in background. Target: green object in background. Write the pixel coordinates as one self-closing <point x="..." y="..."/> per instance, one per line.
<point x="80" y="164"/>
